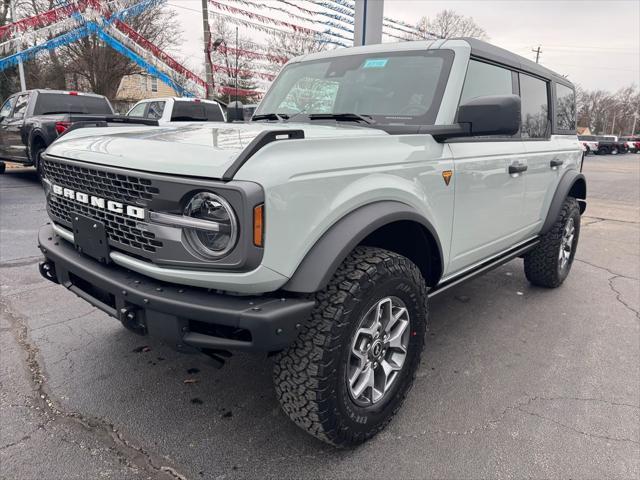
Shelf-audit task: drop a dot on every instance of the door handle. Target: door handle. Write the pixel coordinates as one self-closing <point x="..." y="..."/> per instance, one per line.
<point x="556" y="163"/>
<point x="517" y="168"/>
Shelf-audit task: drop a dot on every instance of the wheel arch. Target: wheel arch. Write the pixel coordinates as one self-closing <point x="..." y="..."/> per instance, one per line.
<point x="391" y="225"/>
<point x="572" y="184"/>
<point x="36" y="138"/>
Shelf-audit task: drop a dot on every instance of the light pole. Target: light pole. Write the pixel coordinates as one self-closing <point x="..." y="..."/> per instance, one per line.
<point x="216" y="45"/>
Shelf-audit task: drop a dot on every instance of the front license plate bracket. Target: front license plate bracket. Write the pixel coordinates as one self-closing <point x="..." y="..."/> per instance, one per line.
<point x="90" y="237"/>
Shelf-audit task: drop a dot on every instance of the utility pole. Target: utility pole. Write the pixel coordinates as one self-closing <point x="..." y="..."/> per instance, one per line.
<point x="613" y="125"/>
<point x="537" y="51"/>
<point x="23" y="83"/>
<point x="237" y="47"/>
<point x="633" y="129"/>
<point x="368" y="18"/>
<point x="207" y="51"/>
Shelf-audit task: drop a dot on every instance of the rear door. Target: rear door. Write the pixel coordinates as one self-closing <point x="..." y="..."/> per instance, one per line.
<point x="488" y="198"/>
<point x="14" y="143"/>
<point x="547" y="155"/>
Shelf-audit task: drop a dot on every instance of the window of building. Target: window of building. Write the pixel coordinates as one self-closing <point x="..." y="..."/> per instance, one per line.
<point x="565" y="108"/>
<point x="535" y="107"/>
<point x="154" y="84"/>
<point x="484" y="79"/>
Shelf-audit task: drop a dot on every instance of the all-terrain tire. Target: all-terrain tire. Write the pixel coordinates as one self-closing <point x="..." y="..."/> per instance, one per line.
<point x="543" y="266"/>
<point x="310" y="376"/>
<point x="37" y="159"/>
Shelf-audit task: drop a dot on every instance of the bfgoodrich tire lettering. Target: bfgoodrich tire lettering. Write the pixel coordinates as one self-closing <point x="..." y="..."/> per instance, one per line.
<point x="545" y="265"/>
<point x="310" y="377"/>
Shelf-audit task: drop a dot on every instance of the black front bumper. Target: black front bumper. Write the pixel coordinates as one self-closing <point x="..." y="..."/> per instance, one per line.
<point x="186" y="318"/>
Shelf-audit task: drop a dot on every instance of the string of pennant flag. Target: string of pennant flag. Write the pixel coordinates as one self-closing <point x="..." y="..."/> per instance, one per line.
<point x="326" y="21"/>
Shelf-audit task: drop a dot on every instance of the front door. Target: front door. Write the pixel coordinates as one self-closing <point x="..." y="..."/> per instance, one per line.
<point x="490" y="175"/>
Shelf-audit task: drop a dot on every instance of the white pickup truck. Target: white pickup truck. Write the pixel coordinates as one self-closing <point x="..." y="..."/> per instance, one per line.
<point x="168" y="110"/>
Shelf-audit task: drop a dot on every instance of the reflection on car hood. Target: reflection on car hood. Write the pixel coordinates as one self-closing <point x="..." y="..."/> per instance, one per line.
<point x="197" y="149"/>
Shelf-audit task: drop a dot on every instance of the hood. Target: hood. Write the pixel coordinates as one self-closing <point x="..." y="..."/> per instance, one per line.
<point x="201" y="150"/>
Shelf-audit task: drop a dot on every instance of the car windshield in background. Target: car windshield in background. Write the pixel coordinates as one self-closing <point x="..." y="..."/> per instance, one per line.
<point x="48" y="103"/>
<point x="399" y="88"/>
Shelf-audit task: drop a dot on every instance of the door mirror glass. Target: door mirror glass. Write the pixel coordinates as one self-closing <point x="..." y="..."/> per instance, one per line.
<point x="491" y="115"/>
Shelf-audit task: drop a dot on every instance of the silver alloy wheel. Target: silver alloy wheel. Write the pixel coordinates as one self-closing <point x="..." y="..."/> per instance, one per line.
<point x="378" y="351"/>
<point x="566" y="243"/>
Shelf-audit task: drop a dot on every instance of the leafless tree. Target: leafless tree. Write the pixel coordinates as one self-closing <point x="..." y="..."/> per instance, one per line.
<point x="450" y="24"/>
<point x="607" y="112"/>
<point x="289" y="46"/>
<point x="91" y="60"/>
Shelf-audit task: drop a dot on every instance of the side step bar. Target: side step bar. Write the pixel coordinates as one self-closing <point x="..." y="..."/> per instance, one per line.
<point x="484" y="267"/>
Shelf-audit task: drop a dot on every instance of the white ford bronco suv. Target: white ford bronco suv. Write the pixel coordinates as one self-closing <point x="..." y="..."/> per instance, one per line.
<point x="369" y="180"/>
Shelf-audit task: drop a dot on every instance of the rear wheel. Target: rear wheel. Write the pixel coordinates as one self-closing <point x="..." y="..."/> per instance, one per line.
<point x="603" y="150"/>
<point x="549" y="264"/>
<point x="354" y="361"/>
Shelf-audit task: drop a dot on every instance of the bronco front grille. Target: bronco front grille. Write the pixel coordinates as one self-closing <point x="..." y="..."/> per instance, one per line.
<point x="123" y="188"/>
<point x="122" y="230"/>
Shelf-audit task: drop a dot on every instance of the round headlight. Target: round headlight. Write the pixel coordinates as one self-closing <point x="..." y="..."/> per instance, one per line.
<point x="219" y="230"/>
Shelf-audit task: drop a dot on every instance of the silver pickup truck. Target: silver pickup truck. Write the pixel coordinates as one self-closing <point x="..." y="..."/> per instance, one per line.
<point x="369" y="180"/>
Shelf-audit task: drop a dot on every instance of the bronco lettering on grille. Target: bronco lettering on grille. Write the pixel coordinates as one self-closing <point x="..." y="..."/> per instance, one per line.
<point x="97" y="202"/>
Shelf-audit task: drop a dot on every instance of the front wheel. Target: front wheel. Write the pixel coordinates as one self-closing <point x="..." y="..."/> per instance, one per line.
<point x="37" y="160"/>
<point x="549" y="263"/>
<point x="354" y="361"/>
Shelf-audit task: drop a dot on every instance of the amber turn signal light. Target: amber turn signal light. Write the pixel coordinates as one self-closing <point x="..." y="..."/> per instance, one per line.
<point x="258" y="225"/>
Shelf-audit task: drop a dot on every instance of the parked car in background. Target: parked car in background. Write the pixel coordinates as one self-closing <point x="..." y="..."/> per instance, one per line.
<point x="610" y="144"/>
<point x="589" y="142"/>
<point x="178" y="109"/>
<point x="633" y="143"/>
<point x="31" y="120"/>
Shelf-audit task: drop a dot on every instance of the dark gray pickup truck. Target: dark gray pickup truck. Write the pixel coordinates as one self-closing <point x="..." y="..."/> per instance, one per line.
<point x="31" y="120"/>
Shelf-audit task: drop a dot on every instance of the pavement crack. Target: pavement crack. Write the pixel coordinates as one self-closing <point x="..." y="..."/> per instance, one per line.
<point x="520" y="407"/>
<point x="619" y="296"/>
<point x="77" y="317"/>
<point x="616" y="274"/>
<point x="15" y="444"/>
<point x="132" y="455"/>
<point x="581" y="432"/>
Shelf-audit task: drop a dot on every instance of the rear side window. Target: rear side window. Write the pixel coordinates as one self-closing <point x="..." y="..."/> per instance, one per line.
<point x="188" y="112"/>
<point x="155" y="110"/>
<point x="484" y="79"/>
<point x="214" y="113"/>
<point x="21" y="107"/>
<point x="48" y="103"/>
<point x="535" y="107"/>
<point x="565" y="108"/>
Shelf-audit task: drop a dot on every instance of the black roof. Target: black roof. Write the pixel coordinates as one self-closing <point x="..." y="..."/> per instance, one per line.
<point x="495" y="54"/>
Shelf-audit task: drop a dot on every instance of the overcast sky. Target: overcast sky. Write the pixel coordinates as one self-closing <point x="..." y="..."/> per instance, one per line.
<point x="595" y="43"/>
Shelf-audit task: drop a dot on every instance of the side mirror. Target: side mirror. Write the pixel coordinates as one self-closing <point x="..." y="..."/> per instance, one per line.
<point x="491" y="115"/>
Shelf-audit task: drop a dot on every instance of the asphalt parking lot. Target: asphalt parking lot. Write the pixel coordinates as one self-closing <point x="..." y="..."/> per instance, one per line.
<point x="515" y="381"/>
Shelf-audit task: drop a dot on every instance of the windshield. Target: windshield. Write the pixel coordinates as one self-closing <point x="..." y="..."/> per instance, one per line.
<point x="48" y="103"/>
<point x="394" y="88"/>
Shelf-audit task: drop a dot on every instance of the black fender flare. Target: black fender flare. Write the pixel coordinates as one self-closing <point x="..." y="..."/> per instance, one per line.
<point x="34" y="135"/>
<point x="324" y="258"/>
<point x="572" y="183"/>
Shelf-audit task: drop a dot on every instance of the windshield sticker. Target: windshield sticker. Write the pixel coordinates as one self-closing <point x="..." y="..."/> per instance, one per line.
<point x="375" y="63"/>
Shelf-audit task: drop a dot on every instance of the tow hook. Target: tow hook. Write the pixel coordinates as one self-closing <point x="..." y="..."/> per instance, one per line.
<point x="217" y="357"/>
<point x="132" y="320"/>
<point x="48" y="271"/>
